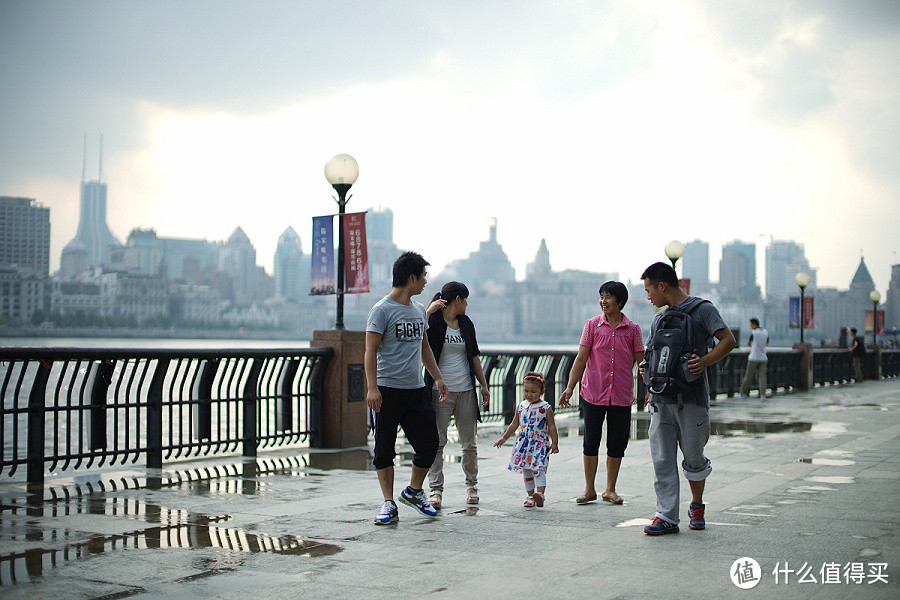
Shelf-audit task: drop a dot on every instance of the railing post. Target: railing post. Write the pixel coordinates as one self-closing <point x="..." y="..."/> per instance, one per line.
<point x="102" y="375"/>
<point x="155" y="415"/>
<point x="876" y="363"/>
<point x="36" y="413"/>
<point x="203" y="394"/>
<point x="317" y="400"/>
<point x="509" y="391"/>
<point x="807" y="379"/>
<point x="550" y="380"/>
<point x="250" y="400"/>
<point x="284" y="410"/>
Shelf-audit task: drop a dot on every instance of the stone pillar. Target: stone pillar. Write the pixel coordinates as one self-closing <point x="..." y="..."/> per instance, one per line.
<point x="344" y="408"/>
<point x="807" y="377"/>
<point x="876" y="363"/>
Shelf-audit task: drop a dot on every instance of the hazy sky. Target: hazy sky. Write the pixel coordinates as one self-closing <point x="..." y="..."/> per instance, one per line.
<point x="606" y="127"/>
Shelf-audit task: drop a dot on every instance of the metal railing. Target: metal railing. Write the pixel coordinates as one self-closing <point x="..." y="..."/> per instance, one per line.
<point x="782" y="372"/>
<point x="78" y="408"/>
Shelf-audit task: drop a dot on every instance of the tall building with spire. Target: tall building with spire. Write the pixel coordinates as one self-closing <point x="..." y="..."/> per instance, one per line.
<point x="90" y="245"/>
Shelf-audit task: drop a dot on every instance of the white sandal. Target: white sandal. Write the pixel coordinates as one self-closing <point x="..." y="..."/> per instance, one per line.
<point x="472" y="497"/>
<point x="435" y="499"/>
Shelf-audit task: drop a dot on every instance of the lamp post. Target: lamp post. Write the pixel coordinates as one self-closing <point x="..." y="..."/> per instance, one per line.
<point x="802" y="280"/>
<point x="875" y="297"/>
<point x="674" y="250"/>
<point x="341" y="172"/>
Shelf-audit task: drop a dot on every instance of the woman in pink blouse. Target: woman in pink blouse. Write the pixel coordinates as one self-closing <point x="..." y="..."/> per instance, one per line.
<point x="610" y="345"/>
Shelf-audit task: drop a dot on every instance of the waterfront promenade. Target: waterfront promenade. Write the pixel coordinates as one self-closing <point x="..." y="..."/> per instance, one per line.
<point x="806" y="482"/>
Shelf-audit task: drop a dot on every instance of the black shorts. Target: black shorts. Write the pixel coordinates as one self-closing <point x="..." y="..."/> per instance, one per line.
<point x="618" y="427"/>
<point x="412" y="410"/>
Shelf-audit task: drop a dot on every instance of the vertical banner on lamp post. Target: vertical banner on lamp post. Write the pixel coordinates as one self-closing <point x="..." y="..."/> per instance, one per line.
<point x="809" y="312"/>
<point x="877" y="322"/>
<point x="356" y="259"/>
<point x="322" y="276"/>
<point x="685" y="284"/>
<point x="794" y="319"/>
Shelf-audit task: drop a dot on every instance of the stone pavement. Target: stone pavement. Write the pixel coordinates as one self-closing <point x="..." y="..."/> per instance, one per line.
<point x="805" y="482"/>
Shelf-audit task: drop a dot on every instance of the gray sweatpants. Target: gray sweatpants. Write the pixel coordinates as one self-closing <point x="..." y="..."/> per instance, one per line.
<point x="671" y="427"/>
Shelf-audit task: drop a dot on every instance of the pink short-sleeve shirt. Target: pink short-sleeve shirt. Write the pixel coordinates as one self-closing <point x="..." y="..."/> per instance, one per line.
<point x="608" y="378"/>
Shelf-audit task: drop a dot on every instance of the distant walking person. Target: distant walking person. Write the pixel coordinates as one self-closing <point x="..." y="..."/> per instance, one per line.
<point x="610" y="345"/>
<point x="858" y="352"/>
<point x="396" y="349"/>
<point x="679" y="393"/>
<point x="451" y="335"/>
<point x="757" y="361"/>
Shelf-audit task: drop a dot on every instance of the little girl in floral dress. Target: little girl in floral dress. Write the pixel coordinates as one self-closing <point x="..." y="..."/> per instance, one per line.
<point x="537" y="439"/>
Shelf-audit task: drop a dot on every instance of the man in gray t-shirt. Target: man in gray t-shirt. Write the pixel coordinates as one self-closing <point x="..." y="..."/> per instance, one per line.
<point x="685" y="423"/>
<point x="396" y="349"/>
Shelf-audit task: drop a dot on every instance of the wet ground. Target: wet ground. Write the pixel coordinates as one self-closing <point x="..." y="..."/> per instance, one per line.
<point x="806" y="483"/>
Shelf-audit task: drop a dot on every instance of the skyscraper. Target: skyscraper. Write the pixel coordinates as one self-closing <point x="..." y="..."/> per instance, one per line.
<point x="291" y="269"/>
<point x="695" y="265"/>
<point x="737" y="272"/>
<point x="89" y="246"/>
<point x="25" y="236"/>
<point x="784" y="259"/>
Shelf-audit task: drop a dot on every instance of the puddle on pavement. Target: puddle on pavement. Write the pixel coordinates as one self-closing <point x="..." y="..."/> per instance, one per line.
<point x="831" y="462"/>
<point x="827" y="429"/>
<point x="835" y="479"/>
<point x="173" y="528"/>
<point x="635" y="523"/>
<point x="640" y="428"/>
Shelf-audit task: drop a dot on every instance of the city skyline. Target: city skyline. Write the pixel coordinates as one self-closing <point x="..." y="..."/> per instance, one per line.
<point x="685" y="121"/>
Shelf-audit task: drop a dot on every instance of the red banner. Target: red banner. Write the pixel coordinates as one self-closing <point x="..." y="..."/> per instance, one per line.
<point x="809" y="312"/>
<point x="356" y="259"/>
<point x="685" y="284"/>
<point x="879" y="322"/>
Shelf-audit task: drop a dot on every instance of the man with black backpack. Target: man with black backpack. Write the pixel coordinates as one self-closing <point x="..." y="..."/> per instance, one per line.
<point x="674" y="370"/>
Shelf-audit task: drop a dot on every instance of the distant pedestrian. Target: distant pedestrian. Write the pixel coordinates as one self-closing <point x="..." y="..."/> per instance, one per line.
<point x="681" y="419"/>
<point x="610" y="345"/>
<point x="396" y="349"/>
<point x="757" y="361"/>
<point x="536" y="441"/>
<point x="858" y="352"/>
<point x="451" y="335"/>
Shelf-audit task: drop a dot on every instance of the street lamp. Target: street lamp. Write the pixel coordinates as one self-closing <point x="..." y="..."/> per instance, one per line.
<point x="674" y="250"/>
<point x="802" y="280"/>
<point x="875" y="297"/>
<point x="341" y="172"/>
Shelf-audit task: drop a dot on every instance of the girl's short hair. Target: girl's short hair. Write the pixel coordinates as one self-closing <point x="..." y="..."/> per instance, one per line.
<point x="617" y="290"/>
<point x="534" y="376"/>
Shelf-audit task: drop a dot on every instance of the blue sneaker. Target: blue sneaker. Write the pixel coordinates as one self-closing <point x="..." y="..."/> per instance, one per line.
<point x="660" y="527"/>
<point x="388" y="514"/>
<point x="416" y="499"/>
<point x="696" y="512"/>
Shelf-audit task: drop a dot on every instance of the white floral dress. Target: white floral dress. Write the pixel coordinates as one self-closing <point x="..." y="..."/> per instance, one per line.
<point x="532" y="448"/>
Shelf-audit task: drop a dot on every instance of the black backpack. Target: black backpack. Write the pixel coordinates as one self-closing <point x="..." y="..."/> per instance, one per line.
<point x="666" y="372"/>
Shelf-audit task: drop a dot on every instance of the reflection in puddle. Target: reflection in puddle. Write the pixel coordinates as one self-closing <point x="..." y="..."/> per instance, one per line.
<point x="173" y="528"/>
<point x="20" y="567"/>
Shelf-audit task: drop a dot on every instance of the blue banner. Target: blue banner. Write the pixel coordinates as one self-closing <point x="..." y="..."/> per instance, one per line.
<point x="322" y="279"/>
<point x="794" y="322"/>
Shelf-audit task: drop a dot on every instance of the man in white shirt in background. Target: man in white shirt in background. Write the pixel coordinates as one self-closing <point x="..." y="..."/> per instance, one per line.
<point x="756" y="363"/>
